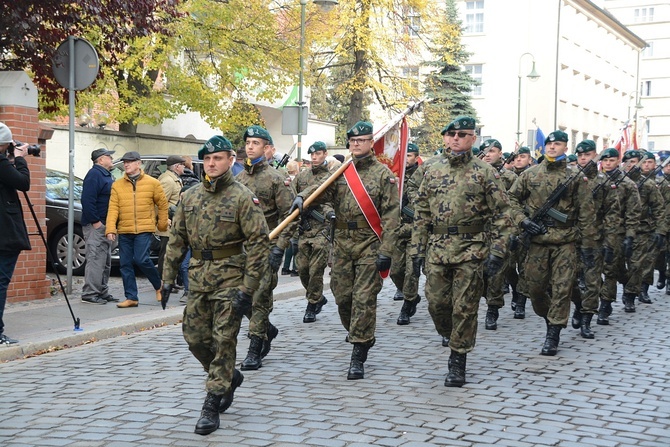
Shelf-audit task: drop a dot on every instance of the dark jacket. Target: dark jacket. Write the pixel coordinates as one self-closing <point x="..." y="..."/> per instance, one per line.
<point x="13" y="178"/>
<point x="95" y="195"/>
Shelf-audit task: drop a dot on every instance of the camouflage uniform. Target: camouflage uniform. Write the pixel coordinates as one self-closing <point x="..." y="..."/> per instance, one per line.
<point x="553" y="256"/>
<point x="355" y="281"/>
<point x="401" y="270"/>
<point x="663" y="261"/>
<point x="275" y="193"/>
<point x="313" y="247"/>
<point x="459" y="199"/>
<point x="652" y="221"/>
<point x="629" y="204"/>
<point x="219" y="216"/>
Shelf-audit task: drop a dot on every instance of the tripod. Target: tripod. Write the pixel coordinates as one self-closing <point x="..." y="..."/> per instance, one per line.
<point x="51" y="259"/>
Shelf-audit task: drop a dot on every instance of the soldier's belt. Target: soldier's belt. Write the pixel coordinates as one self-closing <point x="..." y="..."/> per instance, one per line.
<point x="460" y="229"/>
<point x="555" y="224"/>
<point x="219" y="253"/>
<point x="359" y="224"/>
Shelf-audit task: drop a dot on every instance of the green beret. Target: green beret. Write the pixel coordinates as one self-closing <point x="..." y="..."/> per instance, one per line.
<point x="491" y="142"/>
<point x="557" y="135"/>
<point x="648" y="155"/>
<point x="475" y="151"/>
<point x="585" y="146"/>
<point x="572" y="158"/>
<point x="609" y="153"/>
<point x="447" y="128"/>
<point x="631" y="154"/>
<point x="464" y="123"/>
<point x="506" y="155"/>
<point x="360" y="128"/>
<point x="524" y="150"/>
<point x="412" y="148"/>
<point x="257" y="132"/>
<point x="218" y="143"/>
<point x="316" y="147"/>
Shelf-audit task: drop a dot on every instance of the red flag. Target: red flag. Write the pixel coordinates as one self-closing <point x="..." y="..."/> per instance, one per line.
<point x="391" y="147"/>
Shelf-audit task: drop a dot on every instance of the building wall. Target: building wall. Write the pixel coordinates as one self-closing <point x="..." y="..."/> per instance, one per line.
<point x="586" y="61"/>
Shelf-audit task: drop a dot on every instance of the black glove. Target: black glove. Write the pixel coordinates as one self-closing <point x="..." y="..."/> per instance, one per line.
<point x="241" y="303"/>
<point x="532" y="228"/>
<point x="383" y="262"/>
<point x="166" y="290"/>
<point x="330" y="215"/>
<point x="608" y="254"/>
<point x="417" y="266"/>
<point x="659" y="240"/>
<point x="493" y="265"/>
<point x="276" y="255"/>
<point x="513" y="242"/>
<point x="294" y="246"/>
<point x="628" y="247"/>
<point x="588" y="258"/>
<point x="296" y="205"/>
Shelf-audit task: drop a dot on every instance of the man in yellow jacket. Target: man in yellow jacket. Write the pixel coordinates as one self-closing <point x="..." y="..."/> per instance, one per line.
<point x="135" y="199"/>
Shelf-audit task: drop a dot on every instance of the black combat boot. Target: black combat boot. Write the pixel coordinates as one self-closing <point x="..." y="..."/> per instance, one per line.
<point x="227" y="399"/>
<point x="551" y="341"/>
<point x="491" y="321"/>
<point x="515" y="299"/>
<point x="399" y="296"/>
<point x="456" y="376"/>
<point x="310" y="313"/>
<point x="209" y="416"/>
<point x="408" y="310"/>
<point x="628" y="300"/>
<point x="445" y="342"/>
<point x="271" y="335"/>
<point x="520" y="310"/>
<point x="253" y="359"/>
<point x="585" y="328"/>
<point x="604" y="312"/>
<point x="318" y="306"/>
<point x="577" y="316"/>
<point x="644" y="294"/>
<point x="358" y="356"/>
<point x="661" y="280"/>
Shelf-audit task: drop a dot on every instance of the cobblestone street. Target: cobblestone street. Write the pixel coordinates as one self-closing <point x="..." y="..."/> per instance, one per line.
<point x="147" y="389"/>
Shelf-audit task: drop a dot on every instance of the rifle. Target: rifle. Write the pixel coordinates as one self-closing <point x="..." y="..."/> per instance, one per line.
<point x="547" y="209"/>
<point x="407" y="211"/>
<point x="286" y="157"/>
<point x="618" y="181"/>
<point x="653" y="173"/>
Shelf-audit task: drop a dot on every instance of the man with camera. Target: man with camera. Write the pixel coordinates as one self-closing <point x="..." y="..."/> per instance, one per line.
<point x="14" y="176"/>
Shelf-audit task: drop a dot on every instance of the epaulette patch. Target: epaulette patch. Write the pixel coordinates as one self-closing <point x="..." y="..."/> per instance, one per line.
<point x="256" y="201"/>
<point x="287" y="182"/>
<point x="392" y="180"/>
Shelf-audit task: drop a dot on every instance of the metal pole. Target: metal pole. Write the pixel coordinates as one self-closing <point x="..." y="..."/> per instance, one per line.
<point x="70" y="206"/>
<point x="301" y="103"/>
<point x="518" y="113"/>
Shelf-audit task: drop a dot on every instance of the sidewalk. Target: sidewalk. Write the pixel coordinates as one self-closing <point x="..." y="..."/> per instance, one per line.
<point x="47" y="325"/>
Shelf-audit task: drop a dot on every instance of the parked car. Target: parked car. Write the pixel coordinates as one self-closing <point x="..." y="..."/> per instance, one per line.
<point x="155" y="165"/>
<point x="57" y="196"/>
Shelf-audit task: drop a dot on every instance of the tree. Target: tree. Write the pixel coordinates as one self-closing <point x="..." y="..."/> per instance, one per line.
<point x="448" y="86"/>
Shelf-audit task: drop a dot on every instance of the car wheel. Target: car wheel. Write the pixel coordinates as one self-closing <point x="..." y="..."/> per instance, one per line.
<point x="58" y="248"/>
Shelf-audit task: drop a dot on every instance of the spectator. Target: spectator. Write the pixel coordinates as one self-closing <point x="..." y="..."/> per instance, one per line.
<point x="96" y="191"/>
<point x="132" y="215"/>
<point x="14" y="176"/>
<point x="339" y="157"/>
<point x="188" y="177"/>
<point x="240" y="156"/>
<point x="171" y="182"/>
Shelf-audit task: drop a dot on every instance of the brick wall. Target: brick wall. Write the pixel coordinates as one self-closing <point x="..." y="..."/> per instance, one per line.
<point x="29" y="281"/>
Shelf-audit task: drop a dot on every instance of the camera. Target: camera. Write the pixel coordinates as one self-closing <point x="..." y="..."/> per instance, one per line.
<point x="33" y="149"/>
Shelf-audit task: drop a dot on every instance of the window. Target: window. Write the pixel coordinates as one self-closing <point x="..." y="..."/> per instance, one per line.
<point x="646" y="88"/>
<point x="649" y="51"/>
<point x="641" y="15"/>
<point x="411" y="73"/>
<point x="413" y="24"/>
<point x="474" y="17"/>
<point x="475" y="71"/>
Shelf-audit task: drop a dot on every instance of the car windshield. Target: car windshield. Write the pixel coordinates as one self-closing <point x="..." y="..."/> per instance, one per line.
<point x="58" y="186"/>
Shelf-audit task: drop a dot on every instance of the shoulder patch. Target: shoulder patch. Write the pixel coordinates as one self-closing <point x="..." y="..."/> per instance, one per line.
<point x="256" y="201"/>
<point x="392" y="180"/>
<point x="496" y="175"/>
<point x="287" y="182"/>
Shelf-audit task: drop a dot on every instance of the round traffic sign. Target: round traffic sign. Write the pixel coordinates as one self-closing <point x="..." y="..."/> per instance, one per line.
<point x="86" y="64"/>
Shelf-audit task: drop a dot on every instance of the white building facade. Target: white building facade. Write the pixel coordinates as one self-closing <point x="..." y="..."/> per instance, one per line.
<point x="587" y="63"/>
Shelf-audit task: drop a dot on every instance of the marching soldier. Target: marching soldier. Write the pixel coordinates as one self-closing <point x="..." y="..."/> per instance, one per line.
<point x="522" y="160"/>
<point x="552" y="252"/>
<point x="495" y="284"/>
<point x="401" y="270"/>
<point x="629" y="204"/>
<point x="313" y="246"/>
<point x="222" y="223"/>
<point x="275" y="193"/>
<point x="608" y="218"/>
<point x="663" y="262"/>
<point x="365" y="200"/>
<point x="460" y="231"/>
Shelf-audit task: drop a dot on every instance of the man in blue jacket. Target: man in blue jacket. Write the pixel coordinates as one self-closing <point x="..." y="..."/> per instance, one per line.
<point x="95" y="202"/>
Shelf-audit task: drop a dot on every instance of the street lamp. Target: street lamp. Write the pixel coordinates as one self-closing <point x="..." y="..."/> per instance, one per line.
<point x="638" y="104"/>
<point x="533" y="76"/>
<point x="325" y="5"/>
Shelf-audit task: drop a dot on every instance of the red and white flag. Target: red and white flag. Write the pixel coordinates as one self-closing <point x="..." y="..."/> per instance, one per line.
<point x="628" y="138"/>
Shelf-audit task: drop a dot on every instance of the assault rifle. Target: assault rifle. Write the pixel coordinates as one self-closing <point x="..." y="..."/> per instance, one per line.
<point x="653" y="173"/>
<point x="314" y="214"/>
<point x="285" y="159"/>
<point x="618" y="181"/>
<point x="547" y="209"/>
